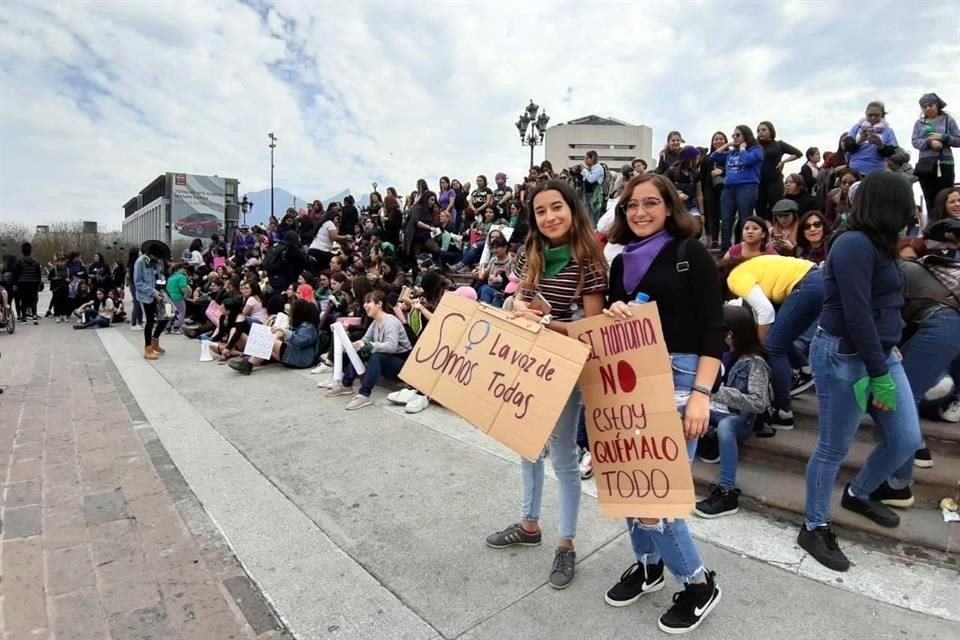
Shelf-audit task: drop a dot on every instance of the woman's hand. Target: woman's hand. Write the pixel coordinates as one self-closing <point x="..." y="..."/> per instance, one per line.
<point x="526" y="313"/>
<point x="696" y="417"/>
<point x="784" y="244"/>
<point x="716" y="173"/>
<point x="780" y="166"/>
<point x="618" y="311"/>
<point x="936" y="145"/>
<point x="358" y="344"/>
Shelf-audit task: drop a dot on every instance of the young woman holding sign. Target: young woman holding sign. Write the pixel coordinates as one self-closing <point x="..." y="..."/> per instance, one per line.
<point x="663" y="260"/>
<point x="562" y="276"/>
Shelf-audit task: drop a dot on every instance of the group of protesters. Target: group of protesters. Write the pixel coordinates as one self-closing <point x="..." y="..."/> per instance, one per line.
<point x="767" y="283"/>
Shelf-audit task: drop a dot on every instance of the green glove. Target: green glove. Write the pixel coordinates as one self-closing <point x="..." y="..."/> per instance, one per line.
<point x="883" y="388"/>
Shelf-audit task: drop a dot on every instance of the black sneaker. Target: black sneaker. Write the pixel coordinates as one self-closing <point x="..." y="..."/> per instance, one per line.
<point x="801" y="382"/>
<point x="781" y="420"/>
<point x="723" y="501"/>
<point x="708" y="449"/>
<point x="891" y="497"/>
<point x="923" y="459"/>
<point x="513" y="535"/>
<point x="691" y="606"/>
<point x="242" y="366"/>
<point x="636" y="581"/>
<point x="564" y="566"/>
<point x="822" y="545"/>
<point x="872" y="509"/>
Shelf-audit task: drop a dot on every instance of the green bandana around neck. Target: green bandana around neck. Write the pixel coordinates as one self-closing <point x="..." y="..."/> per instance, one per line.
<point x="555" y="260"/>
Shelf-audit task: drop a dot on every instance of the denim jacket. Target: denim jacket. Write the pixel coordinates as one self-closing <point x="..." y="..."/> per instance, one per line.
<point x="301" y="351"/>
<point x="145" y="280"/>
<point x="747" y="388"/>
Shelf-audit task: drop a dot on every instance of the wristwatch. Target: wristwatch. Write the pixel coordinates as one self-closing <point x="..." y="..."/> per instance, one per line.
<point x="546" y="320"/>
<point x="702" y="389"/>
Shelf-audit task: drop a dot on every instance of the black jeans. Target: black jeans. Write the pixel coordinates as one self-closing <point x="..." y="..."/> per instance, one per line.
<point x="152" y="329"/>
<point x="933" y="185"/>
<point x="768" y="194"/>
<point x="59" y="301"/>
<point x="28" y="298"/>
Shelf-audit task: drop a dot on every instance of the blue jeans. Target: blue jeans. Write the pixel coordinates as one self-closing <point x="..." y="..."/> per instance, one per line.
<point x="136" y="312"/>
<point x="98" y="322"/>
<point x="473" y="254"/>
<point x="798" y="311"/>
<point x="671" y="541"/>
<point x="491" y="295"/>
<point x="731" y="430"/>
<point x="839" y="420"/>
<point x="929" y="352"/>
<point x="563" y="455"/>
<point x="736" y="199"/>
<point x="379" y="364"/>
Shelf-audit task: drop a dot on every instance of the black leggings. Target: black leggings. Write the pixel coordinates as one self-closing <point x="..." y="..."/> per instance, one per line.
<point x="151" y="328"/>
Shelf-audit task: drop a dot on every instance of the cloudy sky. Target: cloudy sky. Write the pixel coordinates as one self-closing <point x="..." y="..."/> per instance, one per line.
<point x="97" y="98"/>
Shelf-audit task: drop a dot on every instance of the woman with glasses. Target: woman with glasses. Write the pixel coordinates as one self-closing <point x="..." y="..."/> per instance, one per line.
<point x="659" y="234"/>
<point x="742" y="159"/>
<point x="812" y="241"/>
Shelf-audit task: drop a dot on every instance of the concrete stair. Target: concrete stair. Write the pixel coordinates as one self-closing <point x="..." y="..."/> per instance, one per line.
<point x="772" y="477"/>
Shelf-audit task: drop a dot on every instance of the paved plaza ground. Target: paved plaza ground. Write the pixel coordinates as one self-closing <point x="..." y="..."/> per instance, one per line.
<point x="177" y="499"/>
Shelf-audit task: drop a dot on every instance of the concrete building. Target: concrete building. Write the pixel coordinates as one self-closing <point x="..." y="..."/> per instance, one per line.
<point x="178" y="207"/>
<point x="615" y="141"/>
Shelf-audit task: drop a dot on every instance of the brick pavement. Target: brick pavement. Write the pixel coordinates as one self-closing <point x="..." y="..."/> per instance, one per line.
<point x="100" y="537"/>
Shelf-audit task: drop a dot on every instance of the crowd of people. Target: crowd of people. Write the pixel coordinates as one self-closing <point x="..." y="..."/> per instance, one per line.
<point x="767" y="283"/>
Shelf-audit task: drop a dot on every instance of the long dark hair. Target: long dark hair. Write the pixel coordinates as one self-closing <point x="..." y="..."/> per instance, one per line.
<point x="743" y="328"/>
<point x="760" y="222"/>
<point x="747" y="134"/>
<point x="584" y="247"/>
<point x="882" y="207"/>
<point x="773" y="129"/>
<point x="939" y="209"/>
<point x="679" y="223"/>
<point x="802" y="241"/>
<point x="303" y="311"/>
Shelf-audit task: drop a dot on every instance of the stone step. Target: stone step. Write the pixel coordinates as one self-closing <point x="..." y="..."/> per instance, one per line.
<point x="922" y="533"/>
<point x="790" y="451"/>
<point x="942" y="437"/>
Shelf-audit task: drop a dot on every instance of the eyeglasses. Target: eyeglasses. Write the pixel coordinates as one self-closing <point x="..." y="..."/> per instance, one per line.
<point x="646" y="204"/>
<point x="736" y="134"/>
<point x="816" y="224"/>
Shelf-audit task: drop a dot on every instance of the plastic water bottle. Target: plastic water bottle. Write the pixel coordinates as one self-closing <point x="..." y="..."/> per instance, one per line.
<point x="640" y="298"/>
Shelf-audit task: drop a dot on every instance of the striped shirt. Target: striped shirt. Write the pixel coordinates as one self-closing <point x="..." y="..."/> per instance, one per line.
<point x="560" y="290"/>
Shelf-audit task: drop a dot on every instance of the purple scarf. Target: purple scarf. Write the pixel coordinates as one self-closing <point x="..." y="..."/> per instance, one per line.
<point x="638" y="257"/>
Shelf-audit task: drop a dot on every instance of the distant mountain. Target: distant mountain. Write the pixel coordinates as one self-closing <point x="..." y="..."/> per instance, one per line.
<point x="282" y="199"/>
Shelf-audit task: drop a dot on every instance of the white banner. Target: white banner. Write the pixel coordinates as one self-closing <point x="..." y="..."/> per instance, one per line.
<point x="259" y="342"/>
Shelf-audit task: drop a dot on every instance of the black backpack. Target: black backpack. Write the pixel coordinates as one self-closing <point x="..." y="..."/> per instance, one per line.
<point x="275" y="259"/>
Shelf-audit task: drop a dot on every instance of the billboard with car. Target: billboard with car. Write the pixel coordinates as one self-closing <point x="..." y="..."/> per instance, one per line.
<point x="196" y="206"/>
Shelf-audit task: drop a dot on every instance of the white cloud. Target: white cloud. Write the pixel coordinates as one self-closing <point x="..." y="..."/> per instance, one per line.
<point x="96" y="99"/>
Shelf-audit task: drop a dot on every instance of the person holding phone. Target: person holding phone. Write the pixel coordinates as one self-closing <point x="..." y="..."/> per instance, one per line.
<point x="563" y="264"/>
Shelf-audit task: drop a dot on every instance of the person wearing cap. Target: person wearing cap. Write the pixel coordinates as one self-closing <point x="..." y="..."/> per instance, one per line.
<point x="783" y="232"/>
<point x="502" y="195"/>
<point x="147" y="276"/>
<point x="933" y="135"/>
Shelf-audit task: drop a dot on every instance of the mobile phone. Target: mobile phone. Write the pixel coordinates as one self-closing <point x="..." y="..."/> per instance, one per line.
<point x="405" y="293"/>
<point x="539" y="303"/>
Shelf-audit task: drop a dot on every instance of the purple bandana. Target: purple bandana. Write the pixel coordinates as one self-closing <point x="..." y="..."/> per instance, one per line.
<point x="638" y="257"/>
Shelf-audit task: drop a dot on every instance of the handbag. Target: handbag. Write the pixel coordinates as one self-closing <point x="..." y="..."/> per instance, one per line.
<point x="928" y="167"/>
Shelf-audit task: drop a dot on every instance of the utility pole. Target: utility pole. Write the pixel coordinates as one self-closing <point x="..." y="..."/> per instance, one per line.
<point x="273" y="145"/>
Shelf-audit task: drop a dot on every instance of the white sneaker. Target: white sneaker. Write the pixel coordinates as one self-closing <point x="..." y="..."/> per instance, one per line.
<point x="951" y="413"/>
<point x="59" y="319"/>
<point x="586" y="466"/>
<point x="339" y="390"/>
<point x="941" y="390"/>
<point x="320" y="368"/>
<point x="327" y="384"/>
<point x="134" y="327"/>
<point x="417" y="404"/>
<point x="402" y="397"/>
<point x="358" y="402"/>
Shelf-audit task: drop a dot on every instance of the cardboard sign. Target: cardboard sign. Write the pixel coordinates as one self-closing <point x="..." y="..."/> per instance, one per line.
<point x="213" y="313"/>
<point x="260" y="341"/>
<point x="636" y="435"/>
<point x="508" y="378"/>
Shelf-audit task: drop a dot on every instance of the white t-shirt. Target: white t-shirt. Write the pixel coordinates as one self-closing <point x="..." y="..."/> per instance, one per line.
<point x="322" y="241"/>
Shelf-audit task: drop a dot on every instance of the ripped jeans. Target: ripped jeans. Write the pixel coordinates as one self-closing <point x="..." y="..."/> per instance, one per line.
<point x="671" y="541"/>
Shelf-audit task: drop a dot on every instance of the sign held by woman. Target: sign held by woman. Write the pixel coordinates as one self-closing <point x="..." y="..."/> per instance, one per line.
<point x="636" y="436"/>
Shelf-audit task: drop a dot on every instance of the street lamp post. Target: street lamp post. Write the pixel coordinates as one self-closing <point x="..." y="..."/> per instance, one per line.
<point x="273" y="145"/>
<point x="532" y="127"/>
<point x="246" y="205"/>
